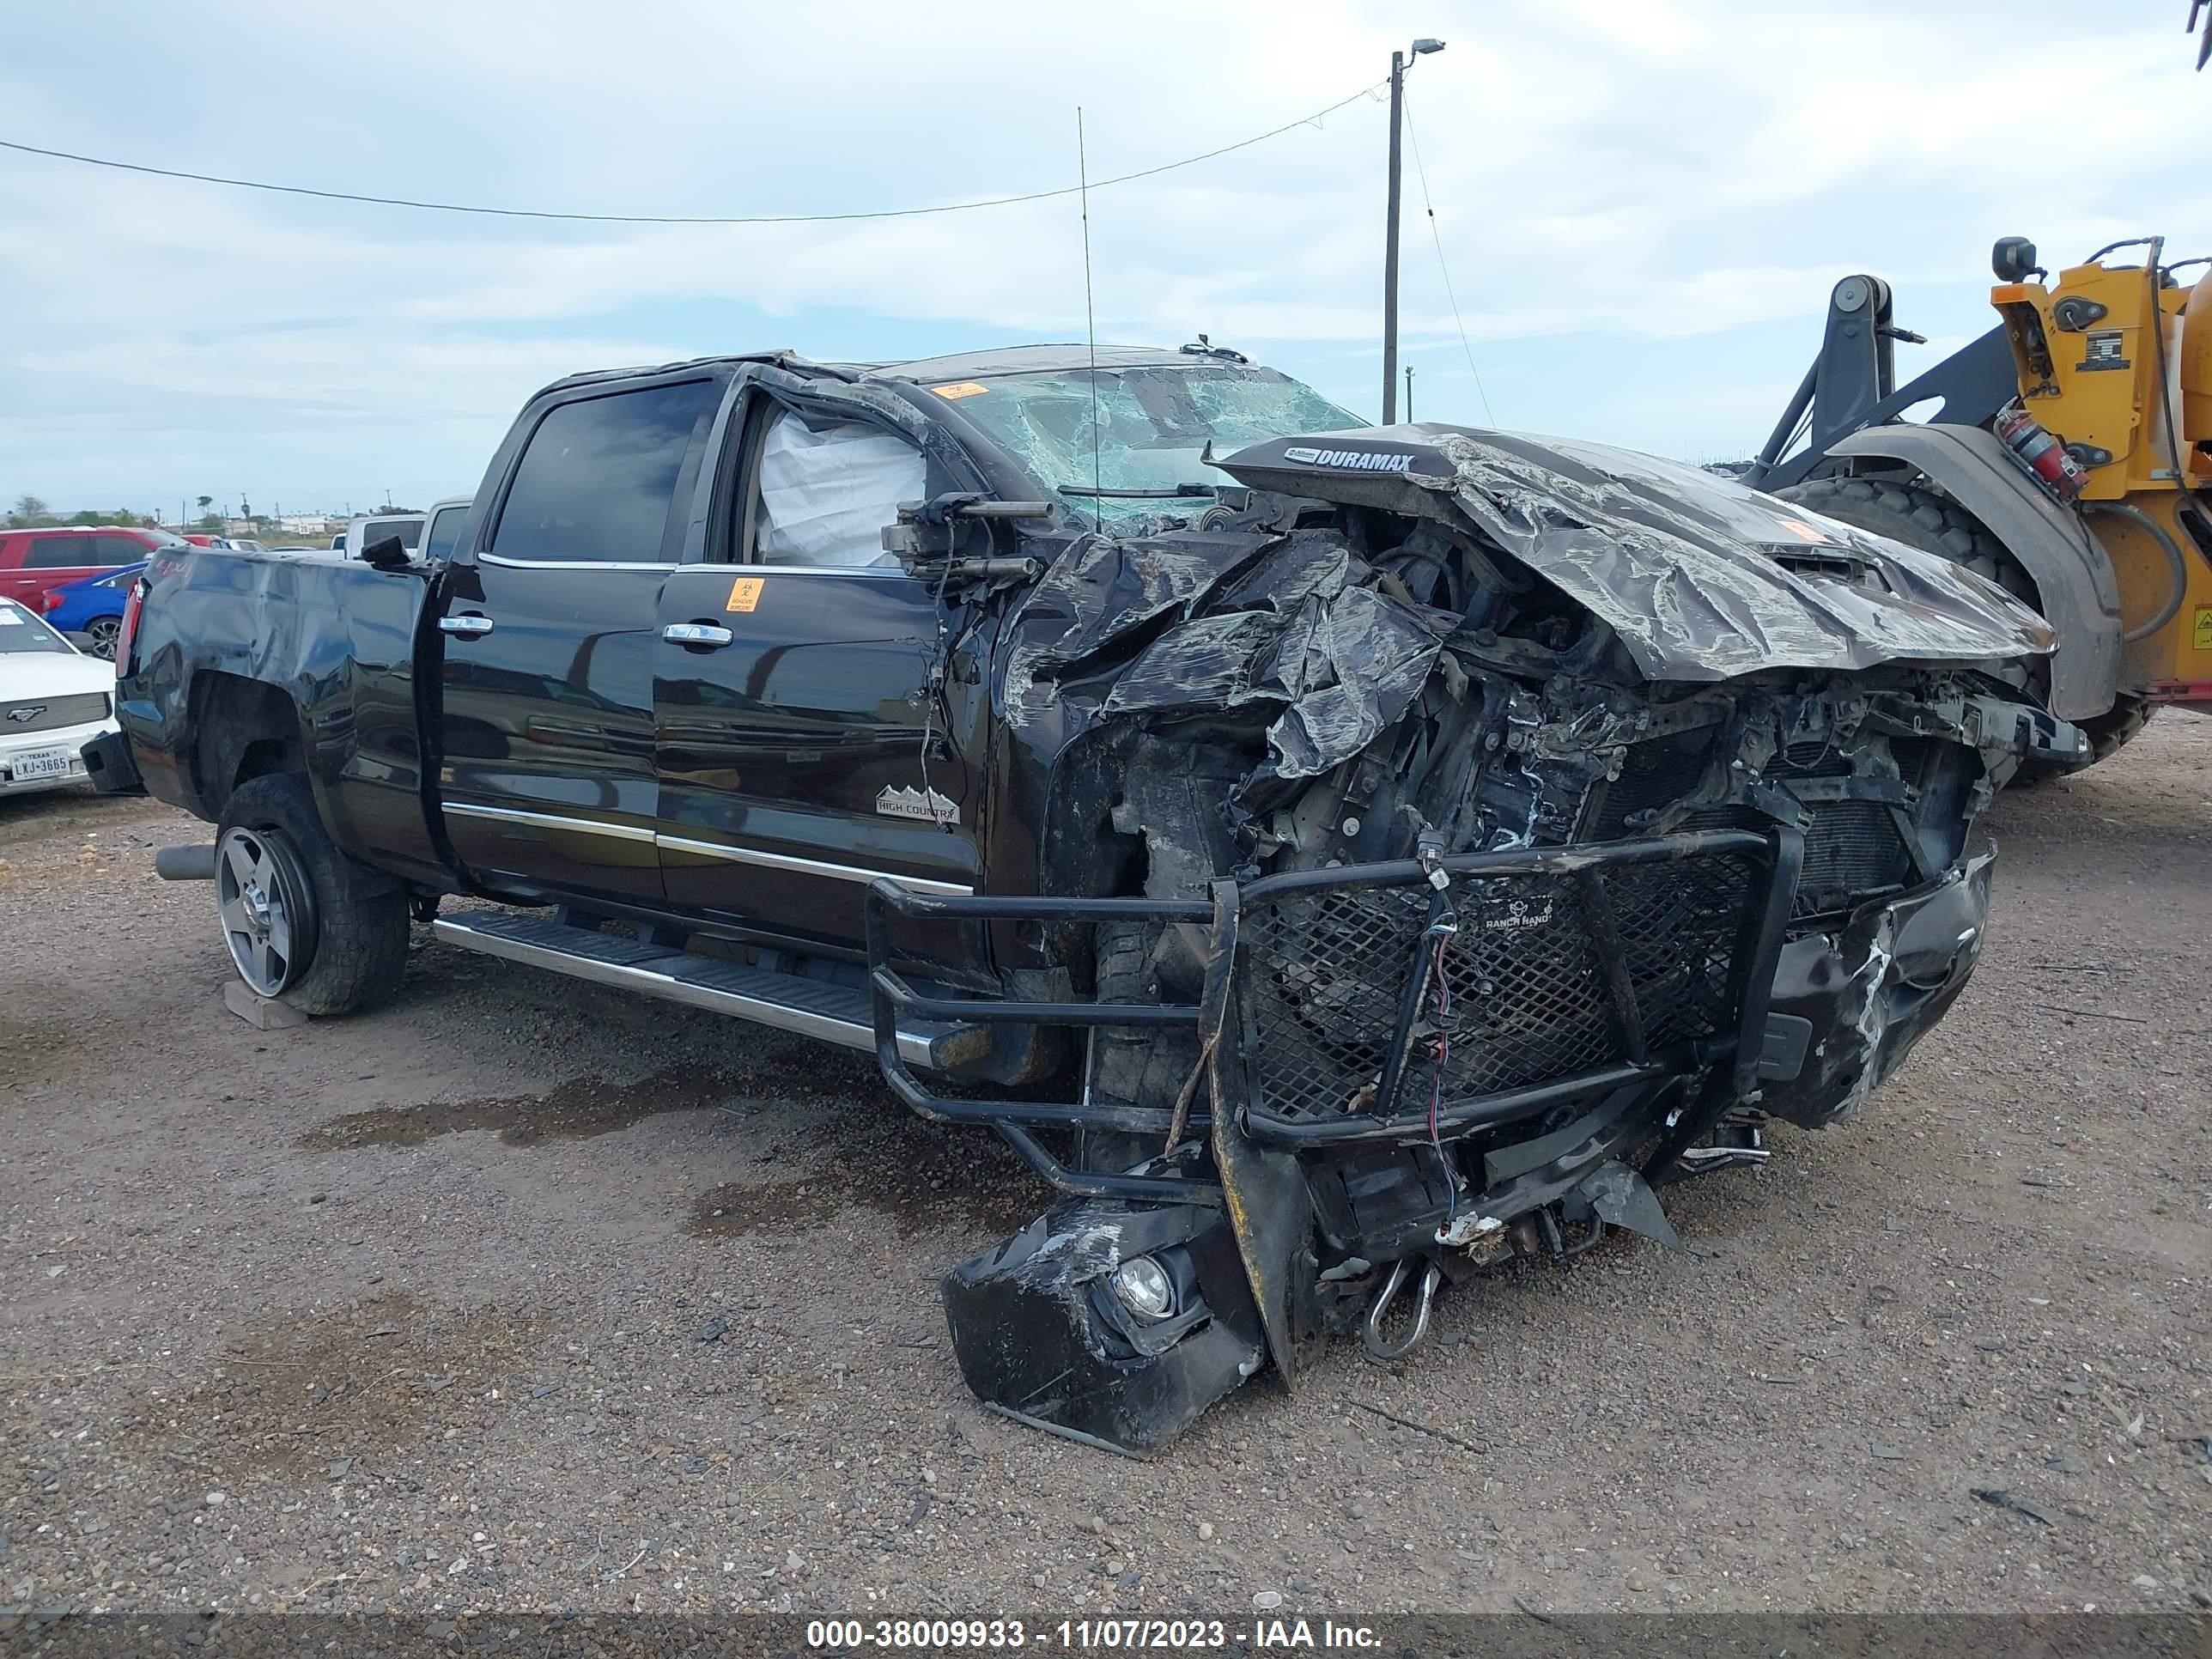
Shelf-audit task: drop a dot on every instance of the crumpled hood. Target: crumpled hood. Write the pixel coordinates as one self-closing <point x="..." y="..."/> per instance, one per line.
<point x="1702" y="578"/>
<point x="1286" y="622"/>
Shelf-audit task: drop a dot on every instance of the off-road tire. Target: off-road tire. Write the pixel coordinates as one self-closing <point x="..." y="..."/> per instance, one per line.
<point x="360" y="948"/>
<point x="1136" y="1066"/>
<point x="2112" y="730"/>
<point x="1917" y="515"/>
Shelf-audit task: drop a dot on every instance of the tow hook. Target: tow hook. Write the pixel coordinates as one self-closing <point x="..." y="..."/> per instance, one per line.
<point x="1371" y="1332"/>
<point x="1699" y="1160"/>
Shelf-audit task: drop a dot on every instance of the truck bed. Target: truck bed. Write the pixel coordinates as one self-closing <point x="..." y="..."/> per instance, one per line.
<point x="336" y="636"/>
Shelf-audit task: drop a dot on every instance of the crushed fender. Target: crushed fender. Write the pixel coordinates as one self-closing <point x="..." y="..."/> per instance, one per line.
<point x="1563" y="814"/>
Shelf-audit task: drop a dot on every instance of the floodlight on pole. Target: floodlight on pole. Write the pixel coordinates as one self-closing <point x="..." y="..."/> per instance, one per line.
<point x="1421" y="48"/>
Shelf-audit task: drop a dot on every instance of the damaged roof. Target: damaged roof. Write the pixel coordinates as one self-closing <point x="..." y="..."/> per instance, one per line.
<point x="983" y="365"/>
<point x="1033" y="360"/>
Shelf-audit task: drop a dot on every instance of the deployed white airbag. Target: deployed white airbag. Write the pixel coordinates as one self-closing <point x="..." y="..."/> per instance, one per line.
<point x="826" y="494"/>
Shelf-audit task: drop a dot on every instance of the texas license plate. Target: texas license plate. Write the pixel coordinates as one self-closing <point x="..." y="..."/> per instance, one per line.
<point x="40" y="763"/>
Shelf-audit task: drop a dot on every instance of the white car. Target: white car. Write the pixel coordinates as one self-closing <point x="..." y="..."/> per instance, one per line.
<point x="364" y="533"/>
<point x="53" y="700"/>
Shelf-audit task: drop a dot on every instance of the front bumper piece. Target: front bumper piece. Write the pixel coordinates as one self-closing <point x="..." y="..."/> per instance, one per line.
<point x="108" y="761"/>
<point x="1589" y="984"/>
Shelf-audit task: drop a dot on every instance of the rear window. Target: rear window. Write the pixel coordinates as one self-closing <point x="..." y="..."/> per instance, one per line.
<point x="597" y="479"/>
<point x="408" y="530"/>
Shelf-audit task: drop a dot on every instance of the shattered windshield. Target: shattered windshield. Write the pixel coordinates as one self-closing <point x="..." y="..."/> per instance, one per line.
<point x="1152" y="423"/>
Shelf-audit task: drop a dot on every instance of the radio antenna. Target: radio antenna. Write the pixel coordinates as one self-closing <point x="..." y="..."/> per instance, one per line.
<point x="1091" y="327"/>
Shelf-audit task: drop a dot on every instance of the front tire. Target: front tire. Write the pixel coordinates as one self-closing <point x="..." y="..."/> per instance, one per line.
<point x="303" y="923"/>
<point x="1918" y="516"/>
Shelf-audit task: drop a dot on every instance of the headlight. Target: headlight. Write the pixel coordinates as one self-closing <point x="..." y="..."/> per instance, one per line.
<point x="1142" y="1286"/>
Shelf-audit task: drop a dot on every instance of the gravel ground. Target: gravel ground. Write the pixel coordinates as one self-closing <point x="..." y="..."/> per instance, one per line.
<point x="523" y="1294"/>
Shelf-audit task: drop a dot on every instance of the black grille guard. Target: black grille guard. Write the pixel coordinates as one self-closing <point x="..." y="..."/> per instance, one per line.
<point x="1567" y="972"/>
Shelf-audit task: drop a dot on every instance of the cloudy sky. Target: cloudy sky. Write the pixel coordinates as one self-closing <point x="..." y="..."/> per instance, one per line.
<point x="1643" y="204"/>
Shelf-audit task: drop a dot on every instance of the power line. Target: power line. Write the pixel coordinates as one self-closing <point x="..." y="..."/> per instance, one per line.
<point x="679" y="219"/>
<point x="1422" y="173"/>
<point x="1090" y="329"/>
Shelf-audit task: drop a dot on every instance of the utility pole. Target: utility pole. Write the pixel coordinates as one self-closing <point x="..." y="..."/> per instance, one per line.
<point x="1421" y="47"/>
<point x="1409" y="394"/>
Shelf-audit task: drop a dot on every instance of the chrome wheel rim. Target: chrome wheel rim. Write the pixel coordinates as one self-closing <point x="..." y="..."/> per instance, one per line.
<point x="266" y="907"/>
<point x="102" y="635"/>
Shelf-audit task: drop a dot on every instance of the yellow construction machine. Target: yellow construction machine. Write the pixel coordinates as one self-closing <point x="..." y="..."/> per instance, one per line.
<point x="2067" y="453"/>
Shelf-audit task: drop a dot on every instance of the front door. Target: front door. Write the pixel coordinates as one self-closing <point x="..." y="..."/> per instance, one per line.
<point x="547" y="776"/>
<point x="807" y="745"/>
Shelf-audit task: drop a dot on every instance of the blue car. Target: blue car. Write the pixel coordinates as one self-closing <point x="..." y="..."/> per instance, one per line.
<point x="90" y="612"/>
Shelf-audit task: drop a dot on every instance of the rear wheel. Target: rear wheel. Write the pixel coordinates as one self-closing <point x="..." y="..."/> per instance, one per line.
<point x="100" y="636"/>
<point x="1917" y="515"/>
<point x="302" y="922"/>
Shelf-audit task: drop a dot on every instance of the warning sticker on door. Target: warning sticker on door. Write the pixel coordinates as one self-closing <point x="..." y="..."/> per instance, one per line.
<point x="745" y="593"/>
<point x="2201" y="640"/>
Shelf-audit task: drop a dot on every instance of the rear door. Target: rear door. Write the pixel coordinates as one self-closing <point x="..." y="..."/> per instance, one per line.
<point x="803" y="747"/>
<point x="548" y="643"/>
<point x="54" y="561"/>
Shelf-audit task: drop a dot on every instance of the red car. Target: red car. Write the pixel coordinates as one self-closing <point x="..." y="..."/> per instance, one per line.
<point x="31" y="562"/>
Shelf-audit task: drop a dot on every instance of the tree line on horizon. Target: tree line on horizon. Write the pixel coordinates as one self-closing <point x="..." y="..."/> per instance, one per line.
<point x="31" y="512"/>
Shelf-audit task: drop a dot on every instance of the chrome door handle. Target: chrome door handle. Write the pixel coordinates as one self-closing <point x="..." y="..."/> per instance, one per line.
<point x="706" y="633"/>
<point x="468" y="628"/>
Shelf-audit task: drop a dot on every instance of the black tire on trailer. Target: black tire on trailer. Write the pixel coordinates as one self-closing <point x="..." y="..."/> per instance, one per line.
<point x="343" y="927"/>
<point x="1139" y="1066"/>
<point x="1912" y="513"/>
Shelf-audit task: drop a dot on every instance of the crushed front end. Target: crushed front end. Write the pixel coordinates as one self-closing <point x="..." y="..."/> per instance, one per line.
<point x="1511" y="828"/>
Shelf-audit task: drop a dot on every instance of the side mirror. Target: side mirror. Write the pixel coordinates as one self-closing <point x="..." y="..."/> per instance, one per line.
<point x="388" y="554"/>
<point x="925" y="537"/>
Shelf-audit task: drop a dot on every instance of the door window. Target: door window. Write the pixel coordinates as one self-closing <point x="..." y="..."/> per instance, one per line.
<point x="118" y="549"/>
<point x="823" y="495"/>
<point x="60" y="553"/>
<point x="599" y="477"/>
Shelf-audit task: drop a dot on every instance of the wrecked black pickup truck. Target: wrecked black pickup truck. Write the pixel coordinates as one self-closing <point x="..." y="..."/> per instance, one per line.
<point x="1334" y="858"/>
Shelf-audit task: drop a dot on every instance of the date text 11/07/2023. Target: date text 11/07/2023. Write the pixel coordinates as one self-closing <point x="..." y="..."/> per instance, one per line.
<point x="1083" y="1635"/>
